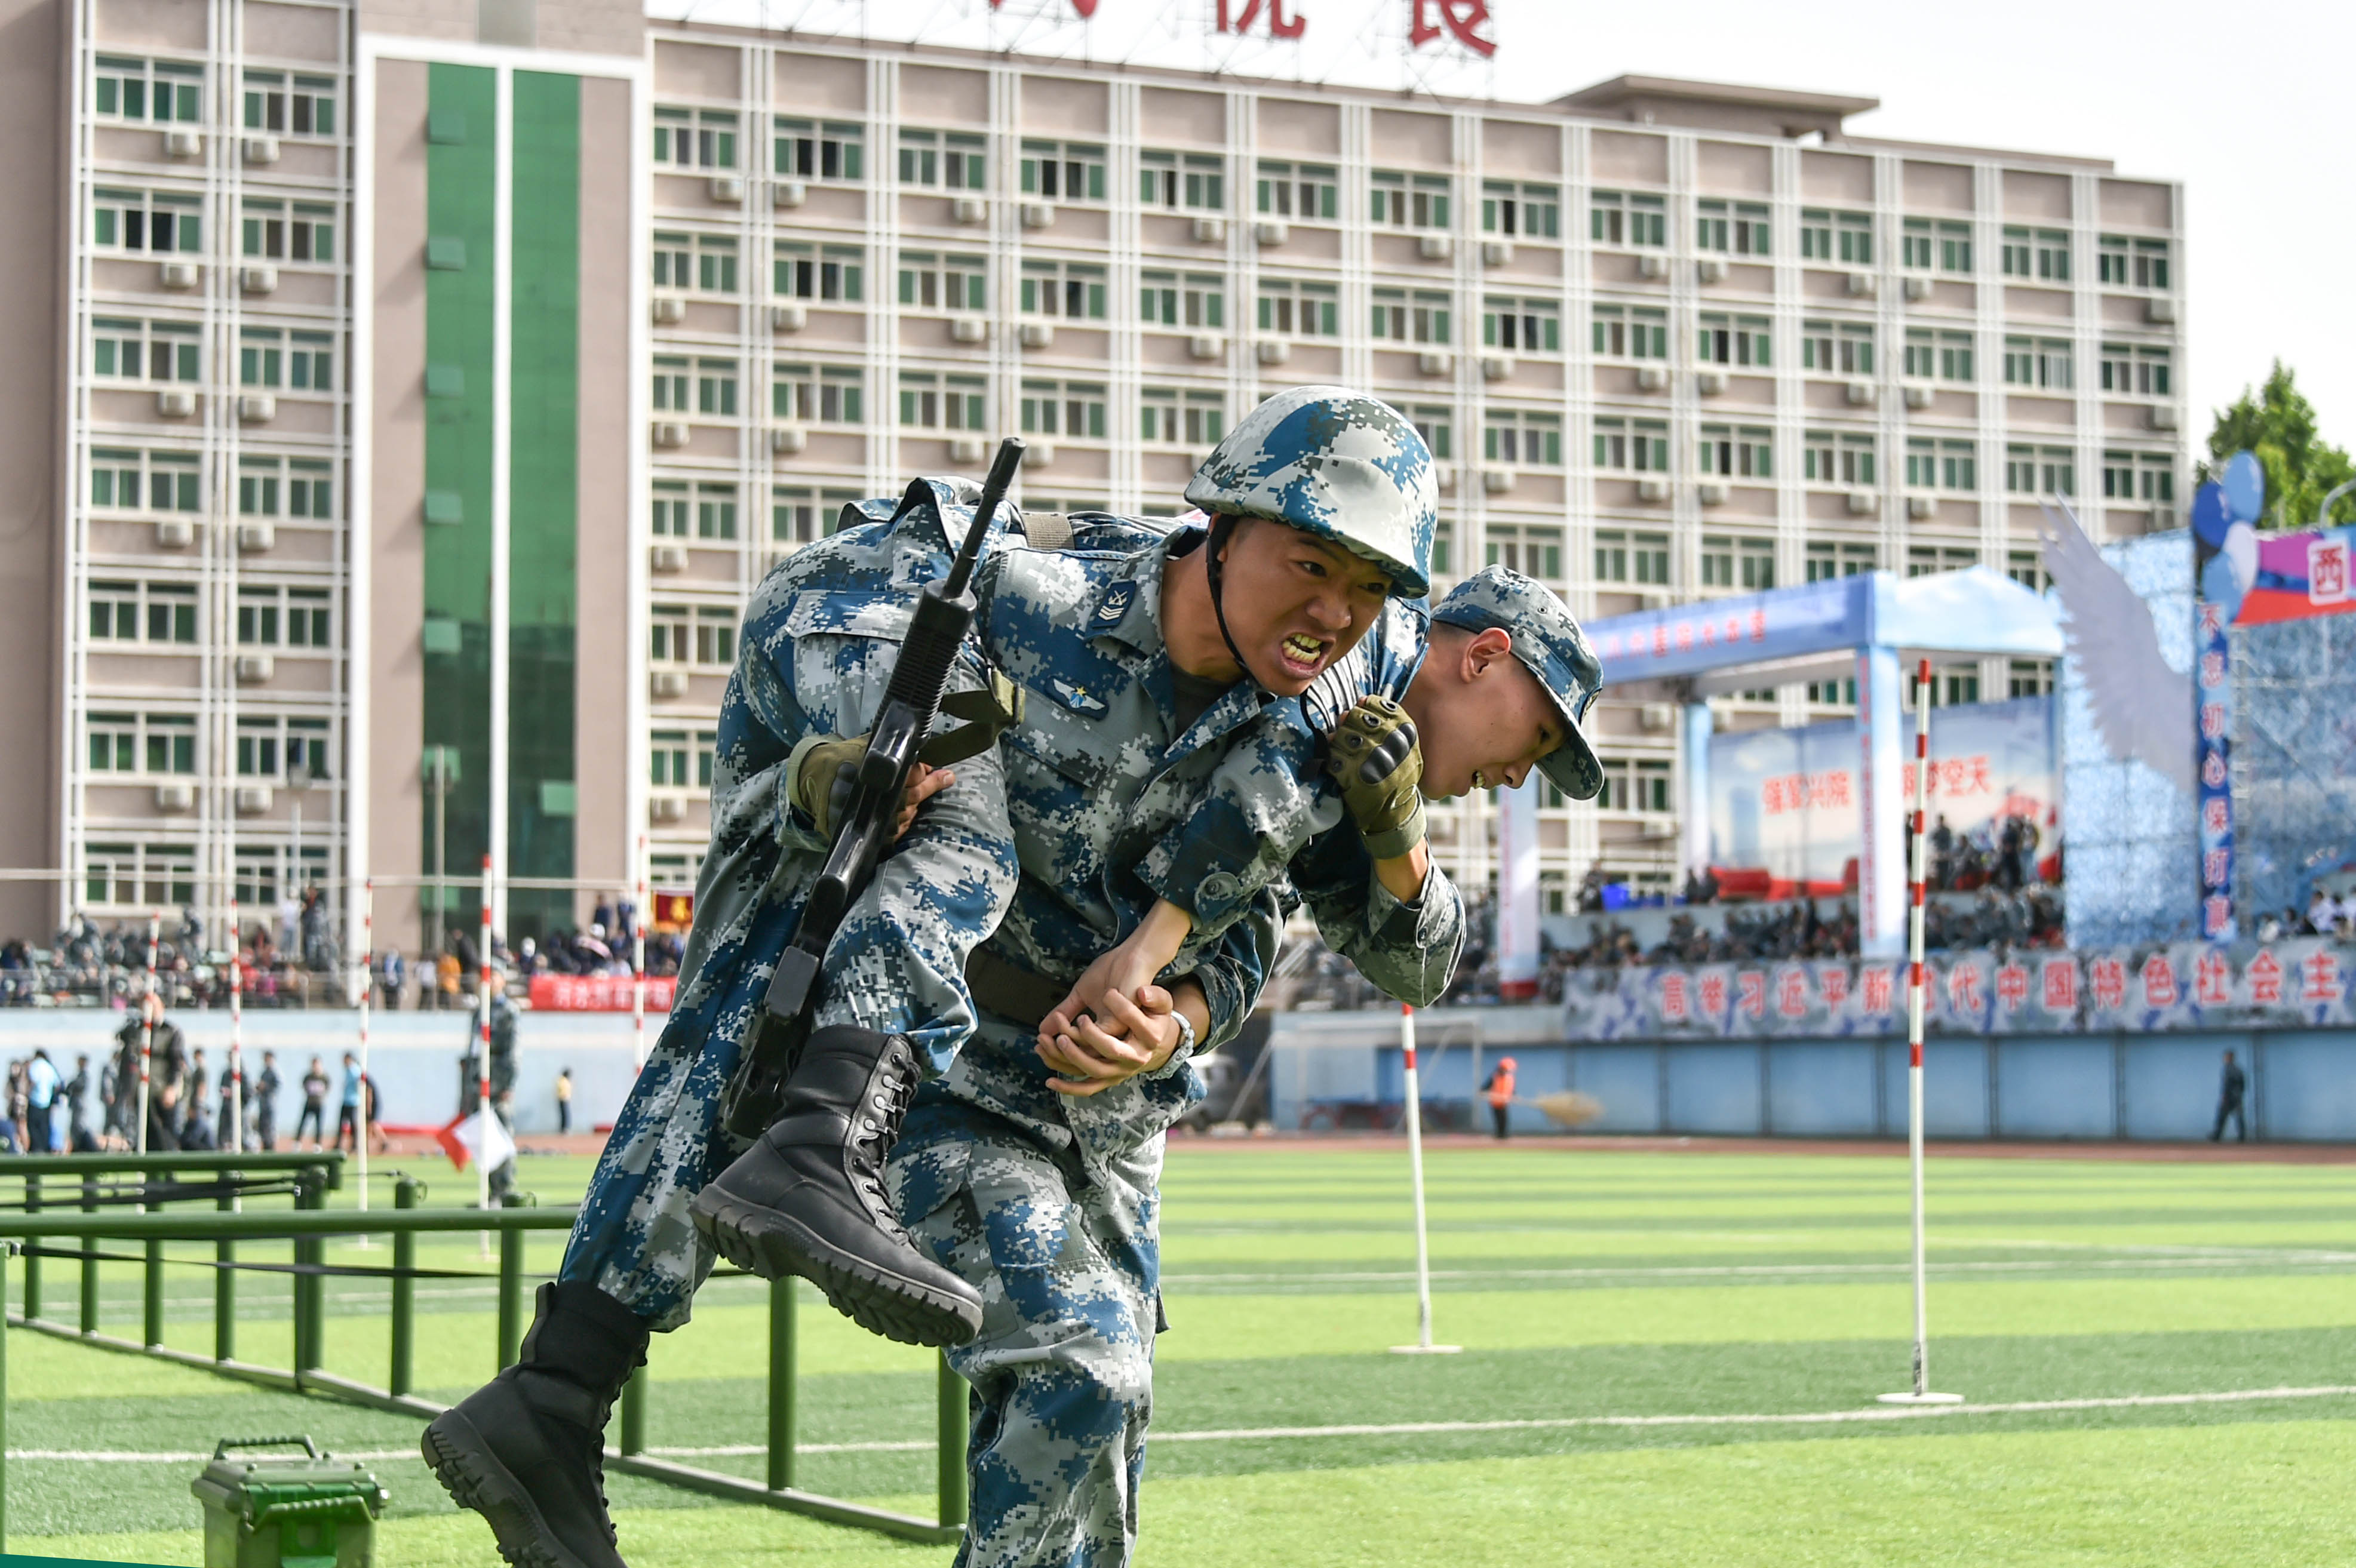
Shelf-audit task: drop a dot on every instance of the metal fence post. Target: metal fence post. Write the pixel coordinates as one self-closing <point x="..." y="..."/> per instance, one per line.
<point x="953" y="1421"/>
<point x="152" y="1315"/>
<point x="6" y="1248"/>
<point x="510" y="1294"/>
<point x="310" y="1295"/>
<point x="32" y="1250"/>
<point x="90" y="1260"/>
<point x="781" y="1384"/>
<point x="403" y="1377"/>
<point x="225" y="1282"/>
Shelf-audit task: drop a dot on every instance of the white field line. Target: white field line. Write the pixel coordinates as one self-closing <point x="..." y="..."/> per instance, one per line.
<point x="1769" y="1271"/>
<point x="1420" y="1428"/>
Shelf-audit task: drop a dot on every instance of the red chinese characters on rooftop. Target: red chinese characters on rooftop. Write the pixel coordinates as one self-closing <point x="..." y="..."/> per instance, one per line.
<point x="1460" y="19"/>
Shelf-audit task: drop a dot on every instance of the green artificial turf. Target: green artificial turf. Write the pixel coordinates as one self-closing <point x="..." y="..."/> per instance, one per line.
<point x="1585" y="1287"/>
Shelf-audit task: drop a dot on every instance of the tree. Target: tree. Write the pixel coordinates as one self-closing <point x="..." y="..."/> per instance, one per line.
<point x="2278" y="425"/>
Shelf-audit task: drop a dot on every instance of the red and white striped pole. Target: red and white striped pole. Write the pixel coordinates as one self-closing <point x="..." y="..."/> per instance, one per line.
<point x="1423" y="1345"/>
<point x="483" y="1059"/>
<point x="147" y="1028"/>
<point x="233" y="1135"/>
<point x="1917" y="978"/>
<point x="367" y="984"/>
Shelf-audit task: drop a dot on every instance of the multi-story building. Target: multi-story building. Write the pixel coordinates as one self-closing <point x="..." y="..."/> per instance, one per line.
<point x="461" y="431"/>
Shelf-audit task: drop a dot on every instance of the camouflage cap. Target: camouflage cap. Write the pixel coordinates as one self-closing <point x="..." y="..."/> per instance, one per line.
<point x="1552" y="648"/>
<point x="1334" y="463"/>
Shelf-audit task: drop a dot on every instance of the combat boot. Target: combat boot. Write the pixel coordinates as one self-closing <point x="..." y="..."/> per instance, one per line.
<point x="527" y="1450"/>
<point x="808" y="1198"/>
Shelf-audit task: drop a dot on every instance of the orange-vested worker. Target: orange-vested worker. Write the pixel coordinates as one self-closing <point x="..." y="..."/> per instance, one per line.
<point x="1499" y="1090"/>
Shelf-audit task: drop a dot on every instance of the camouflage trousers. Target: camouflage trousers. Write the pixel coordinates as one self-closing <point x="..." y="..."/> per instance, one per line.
<point x="1067" y="1263"/>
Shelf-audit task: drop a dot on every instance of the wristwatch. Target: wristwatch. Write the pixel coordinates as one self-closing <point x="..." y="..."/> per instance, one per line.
<point x="1181" y="1051"/>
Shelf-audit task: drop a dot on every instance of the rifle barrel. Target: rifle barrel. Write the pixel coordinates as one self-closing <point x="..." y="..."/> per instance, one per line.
<point x="993" y="492"/>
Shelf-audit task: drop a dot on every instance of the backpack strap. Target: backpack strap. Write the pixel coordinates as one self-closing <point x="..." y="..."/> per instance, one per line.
<point x="1047" y="530"/>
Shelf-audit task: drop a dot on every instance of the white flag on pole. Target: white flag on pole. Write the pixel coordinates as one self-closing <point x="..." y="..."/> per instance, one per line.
<point x="466" y="1139"/>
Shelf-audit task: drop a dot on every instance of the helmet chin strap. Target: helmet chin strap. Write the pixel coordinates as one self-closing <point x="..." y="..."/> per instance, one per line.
<point x="1223" y="528"/>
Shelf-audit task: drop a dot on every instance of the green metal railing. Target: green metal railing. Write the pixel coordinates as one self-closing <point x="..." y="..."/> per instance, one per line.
<point x="308" y="1227"/>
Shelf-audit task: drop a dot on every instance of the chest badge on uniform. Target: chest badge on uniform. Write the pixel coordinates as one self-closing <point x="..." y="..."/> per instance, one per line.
<point x="1116" y="602"/>
<point x="1073" y="697"/>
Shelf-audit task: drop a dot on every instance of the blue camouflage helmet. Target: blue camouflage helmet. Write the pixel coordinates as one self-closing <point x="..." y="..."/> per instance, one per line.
<point x="1336" y="464"/>
<point x="1551" y="647"/>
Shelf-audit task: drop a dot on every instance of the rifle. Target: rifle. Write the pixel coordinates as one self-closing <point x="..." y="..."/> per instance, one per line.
<point x="944" y="614"/>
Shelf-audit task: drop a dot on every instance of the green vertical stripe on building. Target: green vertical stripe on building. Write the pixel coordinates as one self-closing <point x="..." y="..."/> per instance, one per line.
<point x="461" y="205"/>
<point x="542" y="505"/>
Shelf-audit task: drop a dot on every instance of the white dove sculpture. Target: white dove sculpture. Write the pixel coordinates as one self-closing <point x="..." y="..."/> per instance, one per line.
<point x="2143" y="709"/>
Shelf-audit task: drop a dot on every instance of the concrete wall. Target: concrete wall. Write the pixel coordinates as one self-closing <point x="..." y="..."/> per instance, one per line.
<point x="2096" y="1087"/>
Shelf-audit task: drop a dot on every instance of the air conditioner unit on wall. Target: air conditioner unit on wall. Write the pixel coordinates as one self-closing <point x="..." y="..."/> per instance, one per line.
<point x="667" y="685"/>
<point x="2162" y="416"/>
<point x="670" y="433"/>
<point x="2160" y="309"/>
<point x="788" y="193"/>
<point x="184" y="144"/>
<point x="788" y="317"/>
<point x="666" y="808"/>
<point x="262" y="149"/>
<point x="669" y="310"/>
<point x="784" y="440"/>
<point x="1435" y="247"/>
<point x="970" y="209"/>
<point x="1435" y="364"/>
<point x="1711" y="270"/>
<point x="1497" y="252"/>
<point x="175" y="403"/>
<point x="1863" y="394"/>
<point x="728" y="188"/>
<point x="1918" y="289"/>
<point x="1203" y="346"/>
<point x="1918" y="395"/>
<point x="253" y="800"/>
<point x="1657" y="828"/>
<point x="257" y="407"/>
<point x="1038" y="215"/>
<point x="1271" y="232"/>
<point x="175" y="797"/>
<point x="1210" y="230"/>
<point x="1651" y="487"/>
<point x="1710" y="383"/>
<point x="252" y="669"/>
<point x="257" y="280"/>
<point x="667" y="558"/>
<point x="1038" y="335"/>
<point x="967" y="449"/>
<point x="1273" y="350"/>
<point x="1863" y="285"/>
<point x="1039" y="454"/>
<point x="1651" y="377"/>
<point x="1710" y="492"/>
<point x="969" y="329"/>
<point x="1497" y="367"/>
<point x="1658" y="718"/>
<point x="1496" y="480"/>
<point x="1920" y="508"/>
<point x="252" y="538"/>
<point x="1652" y="265"/>
<point x="1863" y="503"/>
<point x="175" y="533"/>
<point x="176" y="274"/>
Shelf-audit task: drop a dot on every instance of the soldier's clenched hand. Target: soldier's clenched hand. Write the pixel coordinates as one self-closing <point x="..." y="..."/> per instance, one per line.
<point x="1374" y="755"/>
<point x="829" y="774"/>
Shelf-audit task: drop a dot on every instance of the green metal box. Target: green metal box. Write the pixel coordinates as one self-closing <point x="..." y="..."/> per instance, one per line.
<point x="287" y="1510"/>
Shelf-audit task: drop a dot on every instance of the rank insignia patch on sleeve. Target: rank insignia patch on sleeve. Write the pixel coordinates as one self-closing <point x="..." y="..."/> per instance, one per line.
<point x="1116" y="602"/>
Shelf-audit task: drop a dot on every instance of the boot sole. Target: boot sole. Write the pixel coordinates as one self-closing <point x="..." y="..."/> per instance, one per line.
<point x="463" y="1463"/>
<point x="772" y="1244"/>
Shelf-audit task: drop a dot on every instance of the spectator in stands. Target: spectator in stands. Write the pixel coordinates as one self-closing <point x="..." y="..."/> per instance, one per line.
<point x="391" y="971"/>
<point x="2229" y="1091"/>
<point x="449" y="971"/>
<point x="315" y="1107"/>
<point x="2324" y="913"/>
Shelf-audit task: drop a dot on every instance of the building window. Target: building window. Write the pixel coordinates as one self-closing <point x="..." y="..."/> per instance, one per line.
<point x="152" y="481"/>
<point x="797" y="516"/>
<point x="1310" y="191"/>
<point x="1745" y="453"/>
<point x="715" y="512"/>
<point x="1942" y="465"/>
<point x="143" y="613"/>
<point x="133" y="874"/>
<point x="2042" y="255"/>
<point x="832" y="150"/>
<point x="1522" y="326"/>
<point x="273" y="747"/>
<point x="2124" y="264"/>
<point x="828" y="273"/>
<point x="1522" y="437"/>
<point x="1062" y="171"/>
<point x="1941" y="356"/>
<point x="2138" y="477"/>
<point x="2026" y="567"/>
<point x="950" y="160"/>
<point x="1827" y="459"/>
<point x="1070" y="409"/>
<point x="715" y="636"/>
<point x="672" y="506"/>
<point x="1623" y="332"/>
<point x="1402" y="201"/>
<point x="144" y="351"/>
<point x="930" y="401"/>
<point x="1727" y="563"/>
<point x="2044" y="363"/>
<point x="1529" y="211"/>
<point x="806" y="395"/>
<point x="1738" y="228"/>
<point x="285" y="487"/>
<point x="296" y="361"/>
<point x="1073" y="290"/>
<point x="716" y="388"/>
<point x="1734" y="340"/>
<point x="280" y="231"/>
<point x="1195" y="301"/>
<point x="161" y="91"/>
<point x="1422" y="319"/>
<point x="1628" y="785"/>
<point x="1533" y="551"/>
<point x="158" y="744"/>
<point x="1194" y="419"/>
<point x="668" y="749"/>
<point x="1632" y="558"/>
<point x="304" y="106"/>
<point x="1947" y="246"/>
<point x="1303" y="309"/>
<point x="2136" y="372"/>
<point x="1922" y="560"/>
<point x="1846" y="237"/>
<point x="1623" y="217"/>
<point x="1639" y="446"/>
<point x="150" y="221"/>
<point x="2040" y="471"/>
<point x="706" y="262"/>
<point x="1193" y="182"/>
<point x="944" y="283"/>
<point x="1827" y="561"/>
<point x="695" y="138"/>
<point x="1437" y="426"/>
<point x="2028" y="677"/>
<point x="1842" y="349"/>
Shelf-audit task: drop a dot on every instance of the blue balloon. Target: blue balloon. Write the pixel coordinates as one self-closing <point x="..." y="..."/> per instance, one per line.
<point x="2211" y="514"/>
<point x="2245" y="487"/>
<point x="2220" y="586"/>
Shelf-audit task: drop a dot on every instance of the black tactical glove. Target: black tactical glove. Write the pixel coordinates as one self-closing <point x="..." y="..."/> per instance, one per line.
<point x="1374" y="756"/>
<point x="823" y="781"/>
